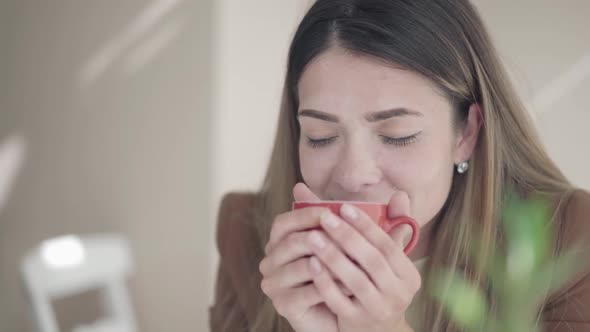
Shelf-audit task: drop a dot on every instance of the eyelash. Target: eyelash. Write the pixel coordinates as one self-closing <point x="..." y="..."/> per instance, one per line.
<point x="318" y="143"/>
<point x="401" y="141"/>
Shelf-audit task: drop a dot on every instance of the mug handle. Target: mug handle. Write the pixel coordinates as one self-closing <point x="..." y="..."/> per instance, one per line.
<point x="390" y="224"/>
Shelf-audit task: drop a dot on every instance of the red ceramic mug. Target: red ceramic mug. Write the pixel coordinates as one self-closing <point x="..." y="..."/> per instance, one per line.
<point x="376" y="211"/>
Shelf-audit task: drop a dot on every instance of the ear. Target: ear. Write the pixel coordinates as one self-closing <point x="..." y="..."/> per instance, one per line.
<point x="467" y="137"/>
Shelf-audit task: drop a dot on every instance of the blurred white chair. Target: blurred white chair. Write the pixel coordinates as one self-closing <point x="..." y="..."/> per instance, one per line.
<point x="70" y="265"/>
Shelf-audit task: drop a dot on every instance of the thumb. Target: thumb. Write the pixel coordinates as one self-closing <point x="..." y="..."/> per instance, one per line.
<point x="399" y="206"/>
<point x="302" y="193"/>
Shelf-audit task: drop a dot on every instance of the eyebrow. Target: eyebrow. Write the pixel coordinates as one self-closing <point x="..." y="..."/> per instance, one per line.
<point x="371" y="117"/>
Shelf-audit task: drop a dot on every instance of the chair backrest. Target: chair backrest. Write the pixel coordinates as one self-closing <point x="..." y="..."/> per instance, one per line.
<point x="71" y="265"/>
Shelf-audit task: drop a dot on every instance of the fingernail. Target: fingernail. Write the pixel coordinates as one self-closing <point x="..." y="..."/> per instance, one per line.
<point x="315" y="265"/>
<point x="329" y="220"/>
<point x="349" y="212"/>
<point x="317" y="240"/>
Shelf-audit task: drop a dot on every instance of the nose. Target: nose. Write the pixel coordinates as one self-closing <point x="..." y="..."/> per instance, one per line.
<point x="357" y="170"/>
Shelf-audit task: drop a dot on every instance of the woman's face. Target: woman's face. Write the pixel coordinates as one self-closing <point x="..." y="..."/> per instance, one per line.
<point x="368" y="130"/>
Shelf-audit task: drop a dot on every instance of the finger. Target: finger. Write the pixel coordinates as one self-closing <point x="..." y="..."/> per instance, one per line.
<point x="288" y="276"/>
<point x="295" y="301"/>
<point x="346" y="271"/>
<point x="343" y="288"/>
<point x="290" y="248"/>
<point x="357" y="246"/>
<point x="332" y="295"/>
<point x="301" y="192"/>
<point x="281" y="266"/>
<point x="293" y="221"/>
<point x="397" y="261"/>
<point x="399" y="206"/>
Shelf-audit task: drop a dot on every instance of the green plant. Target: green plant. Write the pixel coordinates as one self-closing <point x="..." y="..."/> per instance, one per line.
<point x="521" y="274"/>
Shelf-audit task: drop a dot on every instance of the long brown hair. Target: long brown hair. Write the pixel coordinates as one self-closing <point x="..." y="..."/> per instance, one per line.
<point x="446" y="42"/>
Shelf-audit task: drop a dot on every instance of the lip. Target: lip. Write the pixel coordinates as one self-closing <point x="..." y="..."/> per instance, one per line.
<point x="345" y="201"/>
<point x="357" y="200"/>
<point x="362" y="197"/>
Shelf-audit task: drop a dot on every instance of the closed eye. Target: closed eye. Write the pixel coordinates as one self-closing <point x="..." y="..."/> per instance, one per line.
<point x="400" y="141"/>
<point x="318" y="143"/>
<point x="397" y="141"/>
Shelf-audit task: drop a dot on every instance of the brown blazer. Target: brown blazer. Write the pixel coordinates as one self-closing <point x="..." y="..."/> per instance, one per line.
<point x="238" y="294"/>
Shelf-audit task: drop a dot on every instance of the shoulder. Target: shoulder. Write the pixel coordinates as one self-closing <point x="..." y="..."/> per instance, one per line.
<point x="237" y="291"/>
<point x="236" y="221"/>
<point x="574" y="226"/>
<point x="237" y="202"/>
<point x="570" y="303"/>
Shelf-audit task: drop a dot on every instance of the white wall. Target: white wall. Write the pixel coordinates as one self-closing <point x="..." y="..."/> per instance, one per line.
<point x="113" y="101"/>
<point x="545" y="44"/>
<point x="4" y="25"/>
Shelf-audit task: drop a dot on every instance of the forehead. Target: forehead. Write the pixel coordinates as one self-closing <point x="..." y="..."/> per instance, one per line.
<point x="336" y="81"/>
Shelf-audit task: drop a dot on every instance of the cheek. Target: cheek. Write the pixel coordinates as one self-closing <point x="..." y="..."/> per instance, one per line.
<point x="425" y="174"/>
<point x="316" y="168"/>
<point x="431" y="191"/>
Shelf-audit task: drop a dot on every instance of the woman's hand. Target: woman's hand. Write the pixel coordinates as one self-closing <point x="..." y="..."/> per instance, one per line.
<point x="287" y="278"/>
<point x="382" y="279"/>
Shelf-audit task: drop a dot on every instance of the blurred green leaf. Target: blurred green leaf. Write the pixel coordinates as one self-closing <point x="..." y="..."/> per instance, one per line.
<point x="521" y="272"/>
<point x="464" y="302"/>
<point x="555" y="274"/>
<point x="526" y="225"/>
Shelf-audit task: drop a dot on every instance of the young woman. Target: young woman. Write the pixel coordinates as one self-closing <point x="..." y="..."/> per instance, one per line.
<point x="399" y="102"/>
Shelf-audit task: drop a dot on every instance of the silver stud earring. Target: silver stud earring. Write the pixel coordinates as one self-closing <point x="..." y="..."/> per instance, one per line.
<point x="462" y="167"/>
